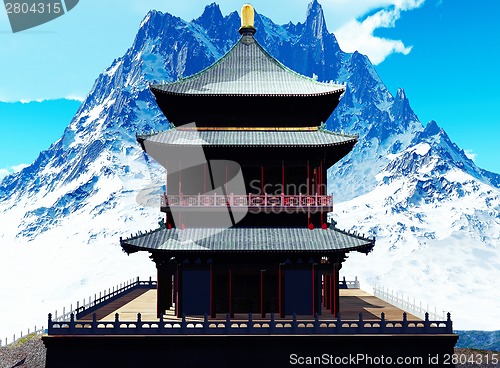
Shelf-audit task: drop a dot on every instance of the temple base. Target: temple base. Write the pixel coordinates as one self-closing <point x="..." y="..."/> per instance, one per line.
<point x="249" y="351"/>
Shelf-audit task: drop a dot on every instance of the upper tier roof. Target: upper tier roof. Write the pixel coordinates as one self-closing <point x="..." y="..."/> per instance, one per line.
<point x="247" y="88"/>
<point x="248" y="70"/>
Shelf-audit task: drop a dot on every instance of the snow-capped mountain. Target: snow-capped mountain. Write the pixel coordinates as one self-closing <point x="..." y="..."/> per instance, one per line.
<point x="435" y="214"/>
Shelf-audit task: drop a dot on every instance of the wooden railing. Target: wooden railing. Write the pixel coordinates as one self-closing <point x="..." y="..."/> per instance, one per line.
<point x="206" y="326"/>
<point x="88" y="305"/>
<point x="109" y="296"/>
<point x="411" y="306"/>
<point x="247" y="200"/>
<point x="351" y="284"/>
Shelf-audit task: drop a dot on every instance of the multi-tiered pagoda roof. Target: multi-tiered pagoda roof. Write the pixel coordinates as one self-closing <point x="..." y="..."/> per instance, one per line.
<point x="247" y="154"/>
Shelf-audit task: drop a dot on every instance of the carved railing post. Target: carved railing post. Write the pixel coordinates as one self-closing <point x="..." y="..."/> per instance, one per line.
<point x="72" y="324"/>
<point x="250" y="323"/>
<point x="183" y="324"/>
<point x="94" y="323"/>
<point x="161" y="325"/>
<point x="382" y="322"/>
<point x="138" y="325"/>
<point x="361" y="323"/>
<point x="294" y="323"/>
<point x="405" y="322"/>
<point x="227" y="323"/>
<point x="316" y="323"/>
<point x="116" y="323"/>
<point x="449" y="323"/>
<point x="427" y="324"/>
<point x="49" y="326"/>
<point x="272" y="324"/>
<point x="338" y="324"/>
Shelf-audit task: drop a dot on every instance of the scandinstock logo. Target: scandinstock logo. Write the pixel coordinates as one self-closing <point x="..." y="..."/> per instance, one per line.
<point x="26" y="14"/>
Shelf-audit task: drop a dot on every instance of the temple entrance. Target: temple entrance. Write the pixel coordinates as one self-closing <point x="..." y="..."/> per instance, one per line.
<point x="246" y="293"/>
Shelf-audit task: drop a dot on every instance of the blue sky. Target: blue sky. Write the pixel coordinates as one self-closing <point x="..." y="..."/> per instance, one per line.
<point x="444" y="53"/>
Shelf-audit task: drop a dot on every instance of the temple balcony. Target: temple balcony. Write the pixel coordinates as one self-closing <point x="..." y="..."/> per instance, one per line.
<point x="300" y="202"/>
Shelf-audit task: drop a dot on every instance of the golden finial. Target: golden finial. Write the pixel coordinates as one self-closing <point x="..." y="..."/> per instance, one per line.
<point x="247" y="19"/>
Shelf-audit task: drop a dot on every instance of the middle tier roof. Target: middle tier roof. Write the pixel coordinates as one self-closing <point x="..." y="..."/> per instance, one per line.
<point x="312" y="137"/>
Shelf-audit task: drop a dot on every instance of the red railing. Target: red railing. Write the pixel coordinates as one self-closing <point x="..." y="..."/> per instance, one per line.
<point x="247" y="200"/>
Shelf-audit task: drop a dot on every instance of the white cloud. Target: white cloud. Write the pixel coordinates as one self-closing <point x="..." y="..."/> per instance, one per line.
<point x="470" y="155"/>
<point x="11" y="170"/>
<point x="41" y="100"/>
<point x="19" y="167"/>
<point x="75" y="98"/>
<point x="358" y="35"/>
<point x="4" y="173"/>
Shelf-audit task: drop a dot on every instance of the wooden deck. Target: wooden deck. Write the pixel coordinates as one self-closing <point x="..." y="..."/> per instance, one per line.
<point x="355" y="301"/>
<point x="352" y="302"/>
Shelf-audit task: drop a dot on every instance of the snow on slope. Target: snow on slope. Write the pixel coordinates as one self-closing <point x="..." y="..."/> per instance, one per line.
<point x="435" y="214"/>
<point x="66" y="257"/>
<point x="438" y="240"/>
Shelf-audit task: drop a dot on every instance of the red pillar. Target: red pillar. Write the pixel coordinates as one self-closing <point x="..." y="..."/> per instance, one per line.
<point x="212" y="306"/>
<point x="321" y="177"/>
<point x="178" y="302"/>
<point x="323" y="290"/>
<point x="204" y="179"/>
<point x="230" y="298"/>
<point x="334" y="289"/>
<point x="262" y="179"/>
<point x="281" y="298"/>
<point x="262" y="311"/>
<point x="327" y="291"/>
<point x="172" y="285"/>
<point x="314" y="294"/>
<point x="308" y="178"/>
<point x="315" y="179"/>
<point x="283" y="177"/>
<point x="332" y="292"/>
<point x="180" y="177"/>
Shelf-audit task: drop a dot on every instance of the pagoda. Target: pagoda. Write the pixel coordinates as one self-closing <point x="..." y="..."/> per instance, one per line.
<point x="247" y="263"/>
<point x="246" y="200"/>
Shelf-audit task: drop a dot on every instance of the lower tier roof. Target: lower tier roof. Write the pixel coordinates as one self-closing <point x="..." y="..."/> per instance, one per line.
<point x="248" y="240"/>
<point x="251" y="137"/>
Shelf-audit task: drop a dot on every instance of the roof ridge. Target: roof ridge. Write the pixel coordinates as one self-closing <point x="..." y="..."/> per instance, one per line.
<point x="248" y="129"/>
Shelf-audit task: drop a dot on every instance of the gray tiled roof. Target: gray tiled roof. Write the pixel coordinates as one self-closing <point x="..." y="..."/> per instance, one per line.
<point x="249" y="240"/>
<point x="249" y="138"/>
<point x="247" y="69"/>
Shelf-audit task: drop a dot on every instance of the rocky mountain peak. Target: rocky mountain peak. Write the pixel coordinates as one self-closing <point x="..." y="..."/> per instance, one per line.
<point x="315" y="20"/>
